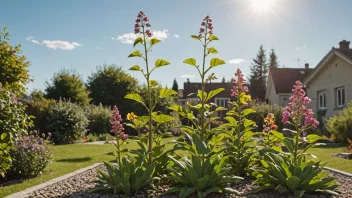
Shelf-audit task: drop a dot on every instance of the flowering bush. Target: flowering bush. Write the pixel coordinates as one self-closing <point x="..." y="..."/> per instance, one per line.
<point x="293" y="172"/>
<point x="67" y="122"/>
<point x="14" y="122"/>
<point x="340" y="125"/>
<point x="30" y="156"/>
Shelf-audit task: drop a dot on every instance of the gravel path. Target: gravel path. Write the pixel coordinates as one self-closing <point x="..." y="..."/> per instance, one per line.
<point x="78" y="186"/>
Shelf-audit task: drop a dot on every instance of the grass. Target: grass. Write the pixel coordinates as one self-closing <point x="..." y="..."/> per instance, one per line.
<point x="68" y="158"/>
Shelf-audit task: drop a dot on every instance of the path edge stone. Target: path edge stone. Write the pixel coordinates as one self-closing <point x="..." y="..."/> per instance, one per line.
<point x="30" y="190"/>
<point x="338" y="171"/>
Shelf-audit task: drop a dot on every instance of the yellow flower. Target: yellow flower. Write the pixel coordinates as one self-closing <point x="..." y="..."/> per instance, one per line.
<point x="131" y="116"/>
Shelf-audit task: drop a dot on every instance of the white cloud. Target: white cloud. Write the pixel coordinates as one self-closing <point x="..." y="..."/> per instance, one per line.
<point x="177" y="36"/>
<point x="36" y="42"/>
<point x="236" y="61"/>
<point x="128" y="38"/>
<point x="64" y="45"/>
<point x="186" y="76"/>
<point x="29" y="38"/>
<point x="299" y="48"/>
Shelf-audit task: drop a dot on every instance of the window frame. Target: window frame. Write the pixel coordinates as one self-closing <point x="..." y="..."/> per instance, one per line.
<point x="340" y="99"/>
<point x="322" y="93"/>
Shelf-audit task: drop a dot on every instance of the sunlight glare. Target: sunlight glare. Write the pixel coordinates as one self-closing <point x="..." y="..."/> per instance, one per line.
<point x="262" y="6"/>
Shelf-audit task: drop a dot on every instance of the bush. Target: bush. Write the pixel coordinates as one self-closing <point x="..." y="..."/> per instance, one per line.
<point x="262" y="111"/>
<point x="39" y="108"/>
<point x="340" y="125"/>
<point x="67" y="122"/>
<point x="98" y="117"/>
<point x="30" y="156"/>
<point x="13" y="123"/>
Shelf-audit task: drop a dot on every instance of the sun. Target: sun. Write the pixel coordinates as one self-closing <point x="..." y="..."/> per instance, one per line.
<point x="262" y="6"/>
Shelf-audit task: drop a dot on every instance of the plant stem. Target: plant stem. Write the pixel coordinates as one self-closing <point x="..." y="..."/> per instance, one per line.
<point x="202" y="116"/>
<point x="118" y="150"/>
<point x="150" y="139"/>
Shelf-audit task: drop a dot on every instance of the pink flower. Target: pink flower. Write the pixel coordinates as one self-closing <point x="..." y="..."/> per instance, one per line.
<point x="148" y="25"/>
<point x="116" y="121"/>
<point x="142" y="21"/>
<point x="123" y="136"/>
<point x="239" y="86"/>
<point x="203" y="23"/>
<point x="207" y="22"/>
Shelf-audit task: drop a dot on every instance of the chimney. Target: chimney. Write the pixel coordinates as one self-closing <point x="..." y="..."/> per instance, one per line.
<point x="344" y="45"/>
<point x="306" y="66"/>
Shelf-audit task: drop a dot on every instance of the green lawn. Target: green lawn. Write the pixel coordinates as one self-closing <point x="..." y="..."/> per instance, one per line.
<point x="68" y="158"/>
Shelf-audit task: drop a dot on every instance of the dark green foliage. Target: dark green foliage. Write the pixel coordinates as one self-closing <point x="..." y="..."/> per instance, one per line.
<point x="340" y="125"/>
<point x="39" y="108"/>
<point x="30" y="155"/>
<point x="109" y="85"/>
<point x="14" y="122"/>
<point x="67" y="122"/>
<point x="98" y="117"/>
<point x="202" y="178"/>
<point x="262" y="110"/>
<point x="129" y="179"/>
<point x="13" y="66"/>
<point x="175" y="85"/>
<point x="258" y="76"/>
<point x="67" y="85"/>
<point x="280" y="174"/>
<point x="273" y="63"/>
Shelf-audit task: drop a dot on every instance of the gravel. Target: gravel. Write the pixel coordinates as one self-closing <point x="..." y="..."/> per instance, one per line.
<point x="79" y="185"/>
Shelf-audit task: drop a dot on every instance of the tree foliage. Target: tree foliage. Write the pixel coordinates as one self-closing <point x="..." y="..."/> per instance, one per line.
<point x="67" y="85"/>
<point x="258" y="76"/>
<point x="273" y="62"/>
<point x="13" y="66"/>
<point x="175" y="85"/>
<point x="109" y="85"/>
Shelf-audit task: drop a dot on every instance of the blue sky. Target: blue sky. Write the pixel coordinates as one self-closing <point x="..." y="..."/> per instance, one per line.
<point x="83" y="34"/>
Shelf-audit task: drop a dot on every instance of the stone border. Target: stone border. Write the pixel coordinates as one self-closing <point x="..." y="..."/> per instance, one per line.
<point x="50" y="182"/>
<point x="338" y="171"/>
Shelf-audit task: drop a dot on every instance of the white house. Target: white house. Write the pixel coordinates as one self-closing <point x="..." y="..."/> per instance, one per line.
<point x="330" y="83"/>
<point x="281" y="81"/>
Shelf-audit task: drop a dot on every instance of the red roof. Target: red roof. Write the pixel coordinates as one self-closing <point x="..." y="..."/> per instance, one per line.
<point x="285" y="78"/>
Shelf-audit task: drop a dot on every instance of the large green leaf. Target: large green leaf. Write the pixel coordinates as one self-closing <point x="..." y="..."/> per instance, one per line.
<point x="213" y="37"/>
<point x="154" y="41"/>
<point x="292" y="182"/>
<point x="166" y="92"/>
<point x="195" y="37"/>
<point x="216" y="62"/>
<point x="190" y="61"/>
<point x="313" y="138"/>
<point x="153" y="83"/>
<point x="247" y="112"/>
<point x="186" y="191"/>
<point x="136" y="53"/>
<point x="202" y="183"/>
<point x="135" y="68"/>
<point x="161" y="118"/>
<point x="161" y="62"/>
<point x="214" y="93"/>
<point x="135" y="97"/>
<point x="138" y="40"/>
<point x="212" y="50"/>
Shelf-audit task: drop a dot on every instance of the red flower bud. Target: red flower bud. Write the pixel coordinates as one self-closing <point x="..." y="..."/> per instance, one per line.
<point x="148" y="25"/>
<point x="210" y="20"/>
<point x="138" y="20"/>
<point x="145" y="19"/>
<point x="200" y="35"/>
<point x="203" y="23"/>
<point x="201" y="30"/>
<point x="210" y="32"/>
<point x="136" y="26"/>
<point x="136" y="30"/>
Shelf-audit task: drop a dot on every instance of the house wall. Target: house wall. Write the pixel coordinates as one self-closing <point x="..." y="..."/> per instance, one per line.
<point x="336" y="73"/>
<point x="273" y="98"/>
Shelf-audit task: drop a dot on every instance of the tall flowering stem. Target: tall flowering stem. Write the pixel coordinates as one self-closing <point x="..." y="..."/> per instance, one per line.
<point x="117" y="129"/>
<point x="298" y="115"/>
<point x="142" y="29"/>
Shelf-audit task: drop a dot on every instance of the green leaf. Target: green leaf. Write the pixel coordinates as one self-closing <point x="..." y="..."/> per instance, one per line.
<point x="3" y="136"/>
<point x="278" y="135"/>
<point x="212" y="50"/>
<point x="313" y="138"/>
<point x="138" y="40"/>
<point x="247" y="112"/>
<point x="154" y="41"/>
<point x="292" y="182"/>
<point x="161" y="62"/>
<point x="153" y="83"/>
<point x="166" y="92"/>
<point x="202" y="183"/>
<point x="299" y="193"/>
<point x="186" y="191"/>
<point x="214" y="93"/>
<point x="135" y="97"/>
<point x="281" y="189"/>
<point x="136" y="53"/>
<point x="213" y="37"/>
<point x="190" y="61"/>
<point x="135" y="68"/>
<point x="195" y="37"/>
<point x="161" y="118"/>
<point x="216" y="62"/>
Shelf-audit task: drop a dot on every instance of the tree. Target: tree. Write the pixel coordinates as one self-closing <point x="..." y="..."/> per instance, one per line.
<point x="13" y="66"/>
<point x="273" y="59"/>
<point x="188" y="81"/>
<point x="175" y="86"/>
<point x="109" y="85"/>
<point x="223" y="80"/>
<point x="258" y="76"/>
<point x="67" y="85"/>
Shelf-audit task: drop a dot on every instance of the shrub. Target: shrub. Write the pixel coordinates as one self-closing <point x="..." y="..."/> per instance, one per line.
<point x="98" y="117"/>
<point x="67" y="122"/>
<point x="340" y="125"/>
<point x="262" y="110"/>
<point x="39" y="108"/>
<point x="13" y="123"/>
<point x="30" y="156"/>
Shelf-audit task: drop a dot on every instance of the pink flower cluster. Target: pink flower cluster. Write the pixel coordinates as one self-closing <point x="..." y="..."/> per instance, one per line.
<point x="141" y="22"/>
<point x="207" y="27"/>
<point x="239" y="86"/>
<point x="297" y="108"/>
<point x="117" y="127"/>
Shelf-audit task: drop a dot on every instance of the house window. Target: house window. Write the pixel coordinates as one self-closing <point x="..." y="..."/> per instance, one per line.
<point x="222" y="102"/>
<point x="340" y="96"/>
<point x="322" y="100"/>
<point x="284" y="101"/>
